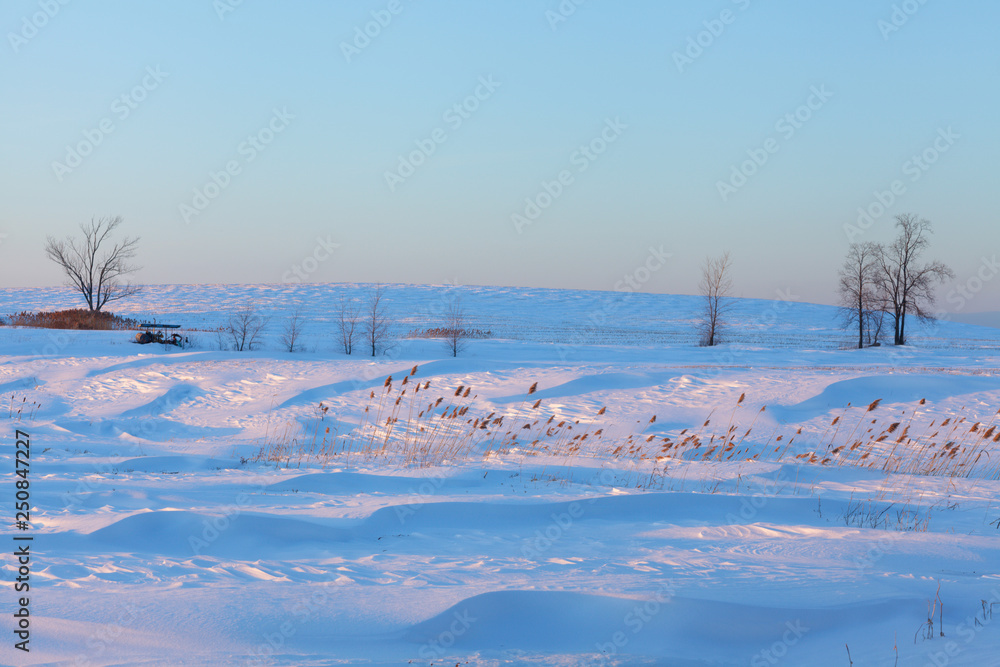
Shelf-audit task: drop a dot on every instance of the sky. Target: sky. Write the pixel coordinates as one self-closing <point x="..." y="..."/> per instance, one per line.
<point x="549" y="143"/>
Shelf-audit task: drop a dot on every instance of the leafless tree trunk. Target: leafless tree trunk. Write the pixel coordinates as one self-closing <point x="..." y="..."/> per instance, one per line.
<point x="876" y="322"/>
<point x="244" y="327"/>
<point x="96" y="265"/>
<point x="455" y="331"/>
<point x="292" y="332"/>
<point x="376" y="324"/>
<point x="860" y="296"/>
<point x="347" y="323"/>
<point x="716" y="286"/>
<point x="908" y="286"/>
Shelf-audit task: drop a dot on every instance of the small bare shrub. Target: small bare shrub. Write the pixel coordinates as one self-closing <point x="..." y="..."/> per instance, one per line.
<point x="716" y="286"/>
<point x="443" y="332"/>
<point x="243" y="329"/>
<point x="376" y="324"/>
<point x="455" y="328"/>
<point x="347" y="323"/>
<point x="292" y="332"/>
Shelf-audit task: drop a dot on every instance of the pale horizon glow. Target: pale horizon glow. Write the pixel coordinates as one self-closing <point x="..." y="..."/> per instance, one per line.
<point x="479" y="143"/>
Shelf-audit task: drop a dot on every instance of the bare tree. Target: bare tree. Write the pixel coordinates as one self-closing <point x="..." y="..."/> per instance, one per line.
<point x="293" y="331"/>
<point x="376" y="324"/>
<point x="96" y="265"/>
<point x="455" y="332"/>
<point x="716" y="286"/>
<point x="907" y="285"/>
<point x="244" y="327"/>
<point x="347" y="323"/>
<point x="875" y="322"/>
<point x="860" y="296"/>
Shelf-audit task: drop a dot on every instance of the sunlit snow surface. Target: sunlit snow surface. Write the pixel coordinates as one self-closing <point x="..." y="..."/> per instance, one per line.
<point x="160" y="541"/>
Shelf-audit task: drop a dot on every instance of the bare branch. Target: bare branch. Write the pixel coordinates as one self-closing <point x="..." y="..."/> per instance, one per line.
<point x="376" y="325"/>
<point x="907" y="286"/>
<point x="862" y="301"/>
<point x="456" y="334"/>
<point x="244" y="327"/>
<point x="292" y="331"/>
<point x="347" y="323"/>
<point x="94" y="265"/>
<point x="716" y="287"/>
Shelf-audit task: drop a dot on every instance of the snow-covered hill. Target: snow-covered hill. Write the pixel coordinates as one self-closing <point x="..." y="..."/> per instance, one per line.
<point x="591" y="488"/>
<point x="514" y="313"/>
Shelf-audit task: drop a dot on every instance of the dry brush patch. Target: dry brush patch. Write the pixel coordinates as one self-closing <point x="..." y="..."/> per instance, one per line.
<point x="446" y="332"/>
<point x="73" y="318"/>
<point x="18" y="410"/>
<point x="404" y="424"/>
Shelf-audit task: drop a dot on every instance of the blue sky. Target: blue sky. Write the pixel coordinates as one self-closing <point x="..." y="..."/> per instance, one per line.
<point x="611" y="118"/>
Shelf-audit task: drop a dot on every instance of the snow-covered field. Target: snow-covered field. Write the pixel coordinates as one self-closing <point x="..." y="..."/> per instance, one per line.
<point x="592" y="487"/>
